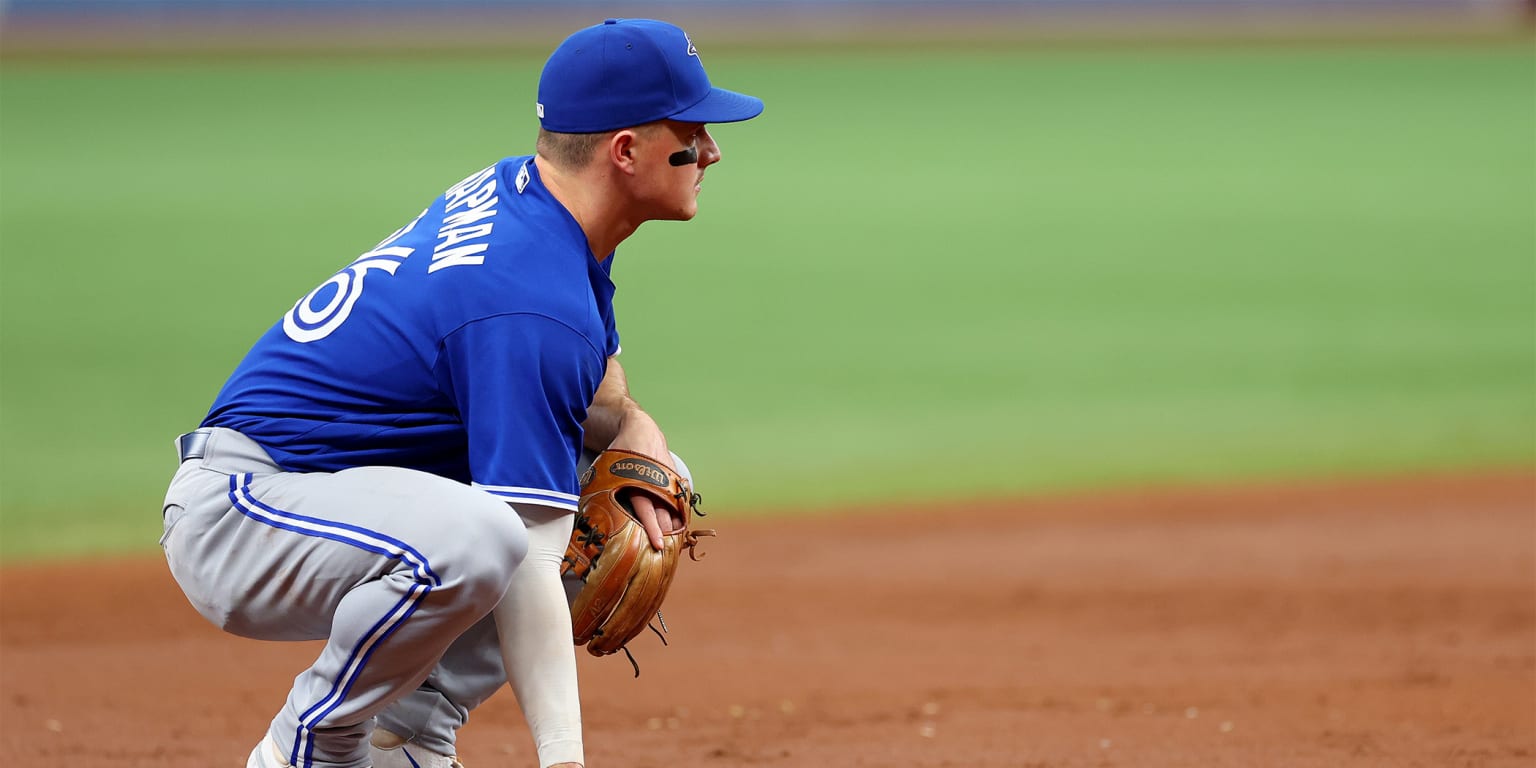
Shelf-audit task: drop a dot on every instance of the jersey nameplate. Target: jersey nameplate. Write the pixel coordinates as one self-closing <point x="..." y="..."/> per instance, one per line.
<point x="462" y="236"/>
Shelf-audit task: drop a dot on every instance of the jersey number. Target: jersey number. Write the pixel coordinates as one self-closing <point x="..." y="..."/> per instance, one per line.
<point x="312" y="320"/>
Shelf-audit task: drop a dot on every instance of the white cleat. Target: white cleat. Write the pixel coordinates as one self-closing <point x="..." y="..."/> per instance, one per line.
<point x="266" y="755"/>
<point x="390" y="750"/>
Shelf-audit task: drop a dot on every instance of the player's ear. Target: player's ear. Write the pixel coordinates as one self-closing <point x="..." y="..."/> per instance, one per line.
<point x="622" y="151"/>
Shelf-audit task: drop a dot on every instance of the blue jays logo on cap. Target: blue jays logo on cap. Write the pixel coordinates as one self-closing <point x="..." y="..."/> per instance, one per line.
<point x="628" y="72"/>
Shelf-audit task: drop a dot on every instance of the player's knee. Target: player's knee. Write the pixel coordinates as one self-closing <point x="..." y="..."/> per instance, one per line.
<point x="490" y="548"/>
<point x="506" y="541"/>
<point x="682" y="468"/>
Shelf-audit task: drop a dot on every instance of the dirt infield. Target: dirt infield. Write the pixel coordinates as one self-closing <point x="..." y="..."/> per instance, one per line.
<point x="1363" y="624"/>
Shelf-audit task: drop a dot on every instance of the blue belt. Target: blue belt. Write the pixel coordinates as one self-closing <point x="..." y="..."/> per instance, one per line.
<point x="193" y="445"/>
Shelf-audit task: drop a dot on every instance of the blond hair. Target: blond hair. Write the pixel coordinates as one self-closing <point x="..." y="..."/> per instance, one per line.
<point x="569" y="151"/>
<point x="574" y="151"/>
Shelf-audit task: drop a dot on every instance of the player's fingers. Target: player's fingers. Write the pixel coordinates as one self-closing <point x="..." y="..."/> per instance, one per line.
<point x="645" y="509"/>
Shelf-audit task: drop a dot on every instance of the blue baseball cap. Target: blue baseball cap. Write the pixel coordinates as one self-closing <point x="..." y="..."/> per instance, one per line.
<point x="627" y="72"/>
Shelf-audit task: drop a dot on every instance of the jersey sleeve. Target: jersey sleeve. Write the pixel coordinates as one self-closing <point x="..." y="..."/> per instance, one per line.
<point x="610" y="323"/>
<point x="613" y="346"/>
<point x="521" y="383"/>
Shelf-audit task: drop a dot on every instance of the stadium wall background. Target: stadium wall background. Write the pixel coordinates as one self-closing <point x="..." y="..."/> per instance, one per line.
<point x="50" y="27"/>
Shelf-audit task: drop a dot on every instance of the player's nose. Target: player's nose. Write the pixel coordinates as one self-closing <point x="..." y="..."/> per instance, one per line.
<point x="709" y="151"/>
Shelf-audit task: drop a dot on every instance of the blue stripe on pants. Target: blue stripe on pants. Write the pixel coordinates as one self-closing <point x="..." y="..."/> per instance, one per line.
<point x="370" y="541"/>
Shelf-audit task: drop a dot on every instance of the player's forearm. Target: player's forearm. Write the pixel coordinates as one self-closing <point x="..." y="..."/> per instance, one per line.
<point x="534" y="624"/>
<point x="613" y="410"/>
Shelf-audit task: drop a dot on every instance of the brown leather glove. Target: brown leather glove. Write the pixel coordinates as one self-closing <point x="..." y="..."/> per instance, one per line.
<point x="623" y="579"/>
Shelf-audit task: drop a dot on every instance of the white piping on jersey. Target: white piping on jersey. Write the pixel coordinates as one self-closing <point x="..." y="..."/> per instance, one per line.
<point x="532" y="495"/>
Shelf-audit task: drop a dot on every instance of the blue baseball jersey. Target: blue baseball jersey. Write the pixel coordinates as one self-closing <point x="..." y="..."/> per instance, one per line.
<point x="468" y="344"/>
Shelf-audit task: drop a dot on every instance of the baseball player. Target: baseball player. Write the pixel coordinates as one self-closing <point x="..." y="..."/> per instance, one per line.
<point x="393" y="466"/>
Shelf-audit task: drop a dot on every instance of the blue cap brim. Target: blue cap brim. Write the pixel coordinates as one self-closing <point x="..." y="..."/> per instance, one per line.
<point x="721" y="106"/>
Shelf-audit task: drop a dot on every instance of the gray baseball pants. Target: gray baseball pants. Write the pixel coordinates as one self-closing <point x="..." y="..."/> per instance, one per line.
<point x="394" y="568"/>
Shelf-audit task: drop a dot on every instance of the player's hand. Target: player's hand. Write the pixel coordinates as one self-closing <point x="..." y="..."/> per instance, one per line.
<point x="639" y="433"/>
<point x="652" y="519"/>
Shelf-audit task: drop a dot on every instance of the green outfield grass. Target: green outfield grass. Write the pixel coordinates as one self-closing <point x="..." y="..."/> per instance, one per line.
<point x="918" y="275"/>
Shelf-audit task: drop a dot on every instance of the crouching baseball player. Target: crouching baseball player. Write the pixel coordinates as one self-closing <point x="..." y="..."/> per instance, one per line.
<point x="393" y="467"/>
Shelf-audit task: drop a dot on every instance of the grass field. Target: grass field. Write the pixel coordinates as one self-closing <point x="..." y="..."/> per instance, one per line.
<point x="919" y="274"/>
